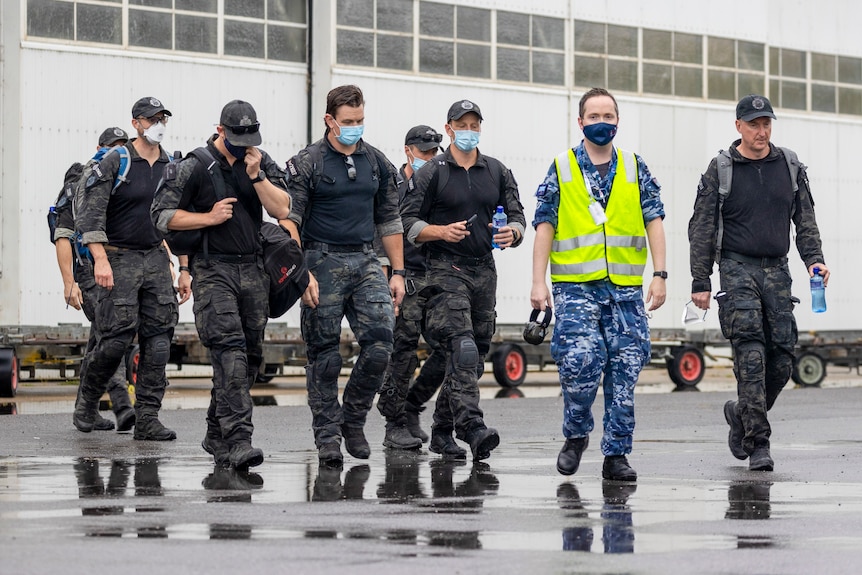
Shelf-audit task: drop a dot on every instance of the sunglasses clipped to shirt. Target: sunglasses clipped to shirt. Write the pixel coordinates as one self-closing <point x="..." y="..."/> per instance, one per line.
<point x="351" y="167"/>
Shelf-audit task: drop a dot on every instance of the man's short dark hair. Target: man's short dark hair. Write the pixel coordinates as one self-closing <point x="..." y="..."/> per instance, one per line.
<point x="348" y="95"/>
<point x="592" y="93"/>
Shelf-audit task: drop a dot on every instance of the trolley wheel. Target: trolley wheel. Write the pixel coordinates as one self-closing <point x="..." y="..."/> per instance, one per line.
<point x="133" y="360"/>
<point x="809" y="370"/>
<point x="686" y="367"/>
<point x="8" y="372"/>
<point x="510" y="365"/>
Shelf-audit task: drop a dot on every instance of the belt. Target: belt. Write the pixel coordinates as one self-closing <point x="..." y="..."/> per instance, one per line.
<point x="230" y="258"/>
<point x="337" y="248"/>
<point x="461" y="260"/>
<point x="761" y="262"/>
<point x="110" y="248"/>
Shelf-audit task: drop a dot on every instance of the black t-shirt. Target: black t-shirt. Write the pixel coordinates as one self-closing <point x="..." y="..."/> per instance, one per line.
<point x="127" y="222"/>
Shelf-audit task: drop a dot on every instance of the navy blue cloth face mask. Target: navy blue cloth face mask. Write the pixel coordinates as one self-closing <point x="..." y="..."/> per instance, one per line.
<point x="600" y="134"/>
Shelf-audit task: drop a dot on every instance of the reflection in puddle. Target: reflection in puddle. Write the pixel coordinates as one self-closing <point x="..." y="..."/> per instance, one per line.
<point x="618" y="534"/>
<point x="748" y="500"/>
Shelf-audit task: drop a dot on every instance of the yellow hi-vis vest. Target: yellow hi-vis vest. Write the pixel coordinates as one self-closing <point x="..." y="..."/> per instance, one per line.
<point x="583" y="251"/>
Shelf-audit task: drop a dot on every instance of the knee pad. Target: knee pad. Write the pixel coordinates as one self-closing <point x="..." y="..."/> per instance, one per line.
<point x="377" y="359"/>
<point x="465" y="353"/>
<point x="327" y="366"/>
<point x="158" y="349"/>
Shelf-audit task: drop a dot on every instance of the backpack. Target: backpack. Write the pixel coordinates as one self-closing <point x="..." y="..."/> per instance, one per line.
<point x="64" y="199"/>
<point x="189" y="242"/>
<point x="724" y="164"/>
<point x="284" y="263"/>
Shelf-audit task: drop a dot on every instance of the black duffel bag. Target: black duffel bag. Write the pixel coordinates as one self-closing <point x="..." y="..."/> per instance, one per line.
<point x="284" y="263"/>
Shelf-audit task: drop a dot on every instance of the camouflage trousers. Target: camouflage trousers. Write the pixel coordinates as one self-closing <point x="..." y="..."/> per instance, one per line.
<point x="396" y="394"/>
<point x="599" y="339"/>
<point x="231" y="305"/>
<point x="755" y="309"/>
<point x="118" y="389"/>
<point x="460" y="319"/>
<point x="352" y="285"/>
<point x="142" y="301"/>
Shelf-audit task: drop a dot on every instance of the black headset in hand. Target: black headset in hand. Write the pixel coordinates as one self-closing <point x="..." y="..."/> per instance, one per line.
<point x="534" y="331"/>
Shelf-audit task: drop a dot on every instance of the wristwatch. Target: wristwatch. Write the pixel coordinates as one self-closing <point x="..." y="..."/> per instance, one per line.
<point x="402" y="273"/>
<point x="261" y="176"/>
<point x="662" y="275"/>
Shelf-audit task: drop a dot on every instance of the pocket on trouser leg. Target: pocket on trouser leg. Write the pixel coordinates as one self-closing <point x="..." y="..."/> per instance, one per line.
<point x="740" y="318"/>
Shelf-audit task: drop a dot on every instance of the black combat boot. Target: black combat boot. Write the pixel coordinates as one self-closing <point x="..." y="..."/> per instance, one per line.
<point x="617" y="468"/>
<point x="149" y="428"/>
<point x="243" y="456"/>
<point x="483" y="442"/>
<point x="84" y="417"/>
<point x="329" y="454"/>
<point x="737" y="430"/>
<point x="102" y="424"/>
<point x="355" y="442"/>
<point x="412" y="422"/>
<point x="569" y="458"/>
<point x="761" y="460"/>
<point x="398" y="437"/>
<point x="444" y="444"/>
<point x="126" y="419"/>
<point x="218" y="448"/>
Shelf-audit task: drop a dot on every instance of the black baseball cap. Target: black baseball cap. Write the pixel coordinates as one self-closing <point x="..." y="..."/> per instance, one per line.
<point x="148" y="107"/>
<point x="754" y="106"/>
<point x="111" y="135"/>
<point x="240" y="124"/>
<point x="423" y="137"/>
<point x="462" y="107"/>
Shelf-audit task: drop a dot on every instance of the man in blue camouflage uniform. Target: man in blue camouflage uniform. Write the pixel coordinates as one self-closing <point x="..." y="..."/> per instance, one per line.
<point x="230" y="285"/>
<point x="596" y="210"/>
<point x="131" y="268"/>
<point x="449" y="210"/>
<point x="746" y="229"/>
<point x="79" y="285"/>
<point x="343" y="192"/>
<point x="400" y="403"/>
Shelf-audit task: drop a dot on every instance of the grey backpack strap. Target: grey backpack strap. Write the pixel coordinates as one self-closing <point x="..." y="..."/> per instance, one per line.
<point x="794" y="165"/>
<point x="724" y="164"/>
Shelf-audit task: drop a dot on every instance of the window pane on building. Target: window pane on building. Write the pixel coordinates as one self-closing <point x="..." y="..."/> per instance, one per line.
<point x="246" y="8"/>
<point x="751" y="84"/>
<point x="548" y="33"/>
<point x="622" y="41"/>
<point x="792" y="63"/>
<point x="355" y="48"/>
<point x="209" y="6"/>
<point x="589" y="37"/>
<point x="285" y="43"/>
<point x="436" y="57"/>
<point x="513" y="28"/>
<point x="359" y="13"/>
<point x="850" y="101"/>
<point x="50" y="19"/>
<point x="793" y="95"/>
<point x="244" y="39"/>
<point x="549" y="68"/>
<point x="474" y="24"/>
<point x="100" y="24"/>
<point x="196" y="34"/>
<point x="721" y="52"/>
<point x="750" y="56"/>
<point x="722" y="85"/>
<point x="436" y="19"/>
<point x="688" y="82"/>
<point x="657" y="79"/>
<point x="152" y="3"/>
<point x="823" y="98"/>
<point x="395" y="52"/>
<point x="657" y="45"/>
<point x="775" y="92"/>
<point x="513" y="64"/>
<point x="395" y="15"/>
<point x="590" y="72"/>
<point x="474" y="60"/>
<point x="286" y="11"/>
<point x="623" y="75"/>
<point x="687" y="48"/>
<point x="849" y="70"/>
<point x="150" y="29"/>
<point x="823" y="67"/>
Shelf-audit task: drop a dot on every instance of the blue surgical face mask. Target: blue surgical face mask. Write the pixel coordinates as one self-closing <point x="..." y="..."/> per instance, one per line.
<point x="466" y="140"/>
<point x="417" y="163"/>
<point x="349" y="135"/>
<point x="237" y="152"/>
<point x="600" y="134"/>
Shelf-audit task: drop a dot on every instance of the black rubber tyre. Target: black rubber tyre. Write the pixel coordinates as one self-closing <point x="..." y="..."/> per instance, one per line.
<point x="809" y="369"/>
<point x="686" y="367"/>
<point x="8" y="372"/>
<point x="510" y="365"/>
<point x="133" y="359"/>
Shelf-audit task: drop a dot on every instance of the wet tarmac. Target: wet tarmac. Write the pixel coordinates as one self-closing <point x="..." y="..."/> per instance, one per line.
<point x="83" y="503"/>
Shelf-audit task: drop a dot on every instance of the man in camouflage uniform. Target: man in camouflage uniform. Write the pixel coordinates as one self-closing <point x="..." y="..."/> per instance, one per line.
<point x="452" y="219"/>
<point x="597" y="209"/>
<point x="343" y="192"/>
<point x="79" y="285"/>
<point x="747" y="231"/>
<point x="230" y="286"/>
<point x="400" y="403"/>
<point x="131" y="268"/>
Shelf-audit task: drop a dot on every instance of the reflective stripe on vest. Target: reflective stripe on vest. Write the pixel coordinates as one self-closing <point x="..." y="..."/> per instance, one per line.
<point x="583" y="251"/>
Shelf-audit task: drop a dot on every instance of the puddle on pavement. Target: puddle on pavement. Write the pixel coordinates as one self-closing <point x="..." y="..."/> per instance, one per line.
<point x="580" y="516"/>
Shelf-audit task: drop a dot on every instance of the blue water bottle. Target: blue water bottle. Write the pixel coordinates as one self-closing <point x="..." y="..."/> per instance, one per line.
<point x="818" y="293"/>
<point x="499" y="220"/>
